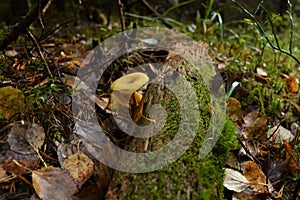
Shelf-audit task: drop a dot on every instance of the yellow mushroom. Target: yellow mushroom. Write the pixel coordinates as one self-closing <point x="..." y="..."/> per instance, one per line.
<point x="130" y="83"/>
<point x="127" y="86"/>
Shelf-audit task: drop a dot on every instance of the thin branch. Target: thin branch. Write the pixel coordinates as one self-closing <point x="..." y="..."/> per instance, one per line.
<point x="46" y="7"/>
<point x="121" y="13"/>
<point x="269" y="15"/>
<point x="21" y="26"/>
<point x="31" y="36"/>
<point x="55" y="30"/>
<point x="40" y="17"/>
<point x="247" y="150"/>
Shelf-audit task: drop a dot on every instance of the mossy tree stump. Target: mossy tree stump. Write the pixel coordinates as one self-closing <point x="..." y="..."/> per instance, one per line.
<point x="190" y="177"/>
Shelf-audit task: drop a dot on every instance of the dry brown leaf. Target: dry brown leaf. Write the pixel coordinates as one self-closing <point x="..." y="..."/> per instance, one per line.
<point x="292" y="157"/>
<point x="26" y="138"/>
<point x="257" y="128"/>
<point x="262" y="79"/>
<point x="291" y="85"/>
<point x="80" y="167"/>
<point x="69" y="80"/>
<point x="279" y="134"/>
<point x="53" y="183"/>
<point x="9" y="160"/>
<point x="11" y="101"/>
<point x="234" y="108"/>
<point x="11" y="53"/>
<point x="255" y="176"/>
<point x="250" y="118"/>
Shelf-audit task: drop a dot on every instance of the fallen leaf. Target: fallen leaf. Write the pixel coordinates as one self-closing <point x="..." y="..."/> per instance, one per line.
<point x="26" y="138"/>
<point x="234" y="108"/>
<point x="256" y="177"/>
<point x="80" y="167"/>
<point x="262" y="79"/>
<point x="250" y="118"/>
<point x="279" y="134"/>
<point x="9" y="160"/>
<point x="292" y="157"/>
<point x="53" y="183"/>
<point x="276" y="168"/>
<point x="256" y="129"/>
<point x="235" y="181"/>
<point x="11" y="53"/>
<point x="291" y="85"/>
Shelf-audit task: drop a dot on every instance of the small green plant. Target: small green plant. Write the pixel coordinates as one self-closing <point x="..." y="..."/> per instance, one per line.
<point x="43" y="103"/>
<point x="274" y="40"/>
<point x="211" y="21"/>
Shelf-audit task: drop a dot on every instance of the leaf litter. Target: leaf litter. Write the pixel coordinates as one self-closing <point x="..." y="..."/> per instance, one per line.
<point x="268" y="156"/>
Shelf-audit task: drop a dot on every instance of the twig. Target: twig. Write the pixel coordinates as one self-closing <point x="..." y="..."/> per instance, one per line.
<point x="8" y="178"/>
<point x="121" y="13"/>
<point x="22" y="166"/>
<point x="40" y="17"/>
<point x="46" y="7"/>
<point x="55" y="30"/>
<point x="247" y="151"/>
<point x="157" y="14"/>
<point x="25" y="180"/>
<point x="37" y="152"/>
<point x="21" y="26"/>
<point x="31" y="36"/>
<point x="42" y="12"/>
<point x="276" y="129"/>
<point x="263" y="33"/>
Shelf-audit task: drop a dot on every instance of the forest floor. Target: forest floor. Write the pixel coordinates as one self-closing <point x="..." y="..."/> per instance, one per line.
<point x="38" y="147"/>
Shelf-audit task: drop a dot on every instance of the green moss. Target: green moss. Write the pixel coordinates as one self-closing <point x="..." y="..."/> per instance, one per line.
<point x="188" y="177"/>
<point x="11" y="102"/>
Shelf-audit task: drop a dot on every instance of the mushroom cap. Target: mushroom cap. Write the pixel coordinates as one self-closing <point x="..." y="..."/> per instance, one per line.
<point x="130" y="82"/>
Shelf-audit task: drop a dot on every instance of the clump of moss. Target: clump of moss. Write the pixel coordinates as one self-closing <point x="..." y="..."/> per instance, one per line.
<point x="11" y="102"/>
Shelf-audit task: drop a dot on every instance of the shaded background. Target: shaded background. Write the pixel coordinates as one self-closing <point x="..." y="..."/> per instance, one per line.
<point x="101" y="11"/>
